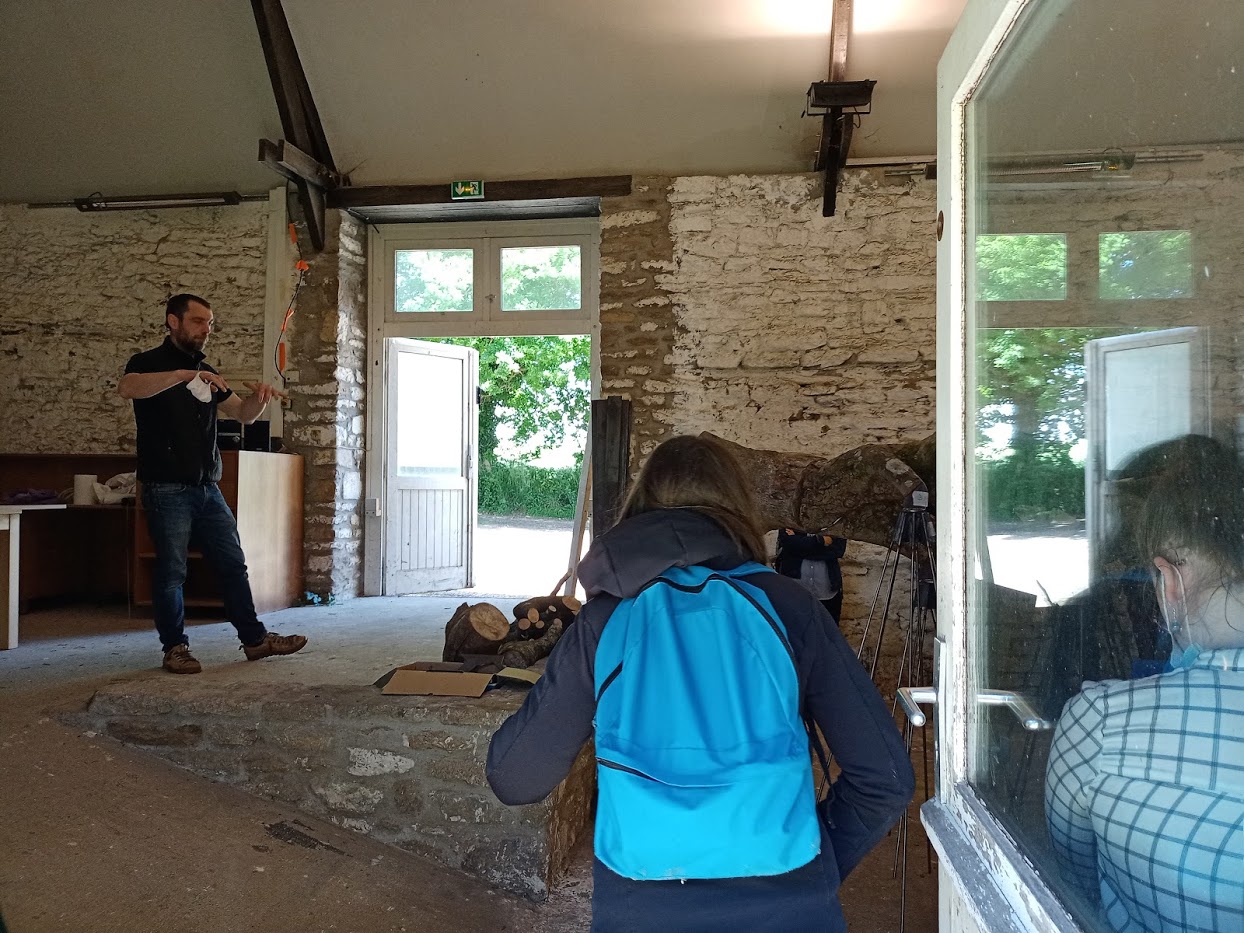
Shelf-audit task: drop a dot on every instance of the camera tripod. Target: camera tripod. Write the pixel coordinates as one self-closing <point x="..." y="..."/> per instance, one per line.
<point x="912" y="545"/>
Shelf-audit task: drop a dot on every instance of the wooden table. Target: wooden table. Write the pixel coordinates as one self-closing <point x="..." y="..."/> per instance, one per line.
<point x="10" y="548"/>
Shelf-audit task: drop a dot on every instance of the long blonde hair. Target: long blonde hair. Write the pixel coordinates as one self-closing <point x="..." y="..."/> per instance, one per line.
<point x="700" y="474"/>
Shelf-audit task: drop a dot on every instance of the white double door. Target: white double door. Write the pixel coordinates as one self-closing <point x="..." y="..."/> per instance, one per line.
<point x="431" y="429"/>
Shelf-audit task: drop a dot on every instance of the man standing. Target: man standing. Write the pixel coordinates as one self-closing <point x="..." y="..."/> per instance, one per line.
<point x="176" y="396"/>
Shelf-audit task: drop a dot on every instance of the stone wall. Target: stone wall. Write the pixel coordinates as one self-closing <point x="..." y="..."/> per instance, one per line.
<point x="81" y="293"/>
<point x="408" y="771"/>
<point x="729" y="304"/>
<point x="637" y="318"/>
<point x="327" y="340"/>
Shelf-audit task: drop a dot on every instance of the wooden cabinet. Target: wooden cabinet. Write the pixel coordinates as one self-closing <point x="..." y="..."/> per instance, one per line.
<point x="264" y="491"/>
<point x="80" y="553"/>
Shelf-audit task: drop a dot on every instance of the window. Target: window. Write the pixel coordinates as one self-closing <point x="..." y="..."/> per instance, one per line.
<point x="541" y="278"/>
<point x="433" y="280"/>
<point x="461" y="278"/>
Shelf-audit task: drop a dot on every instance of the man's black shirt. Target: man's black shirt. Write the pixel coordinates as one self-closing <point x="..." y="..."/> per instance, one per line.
<point x="176" y="432"/>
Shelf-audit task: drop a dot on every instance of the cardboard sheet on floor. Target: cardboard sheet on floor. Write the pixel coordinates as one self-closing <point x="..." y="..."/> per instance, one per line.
<point x="518" y="675"/>
<point x="416" y="680"/>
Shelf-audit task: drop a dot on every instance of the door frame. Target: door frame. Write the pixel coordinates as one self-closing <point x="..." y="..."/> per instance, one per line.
<point x="985" y="881"/>
<point x="382" y="241"/>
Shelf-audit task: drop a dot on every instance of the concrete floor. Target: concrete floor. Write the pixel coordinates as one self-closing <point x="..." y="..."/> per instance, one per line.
<point x="95" y="836"/>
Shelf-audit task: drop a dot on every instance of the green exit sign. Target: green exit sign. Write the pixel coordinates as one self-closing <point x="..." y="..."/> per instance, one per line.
<point x="466" y="190"/>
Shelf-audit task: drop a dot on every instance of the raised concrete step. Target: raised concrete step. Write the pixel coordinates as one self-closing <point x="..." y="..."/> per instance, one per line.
<point x="408" y="771"/>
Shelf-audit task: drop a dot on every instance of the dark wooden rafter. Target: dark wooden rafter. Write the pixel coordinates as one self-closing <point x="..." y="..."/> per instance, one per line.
<point x="306" y="159"/>
<point x="604" y="186"/>
<point x="837" y="124"/>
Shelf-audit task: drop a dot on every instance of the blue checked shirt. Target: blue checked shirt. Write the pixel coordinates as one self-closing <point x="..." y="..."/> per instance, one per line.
<point x="1144" y="796"/>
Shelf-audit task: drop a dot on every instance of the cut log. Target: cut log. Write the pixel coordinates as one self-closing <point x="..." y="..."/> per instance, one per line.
<point x="527" y="653"/>
<point x="477" y="629"/>
<point x="857" y="495"/>
<point x="546" y="607"/>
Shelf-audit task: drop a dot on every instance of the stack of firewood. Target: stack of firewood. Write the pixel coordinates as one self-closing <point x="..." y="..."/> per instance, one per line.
<point x="533" y="617"/>
<point x="482" y="629"/>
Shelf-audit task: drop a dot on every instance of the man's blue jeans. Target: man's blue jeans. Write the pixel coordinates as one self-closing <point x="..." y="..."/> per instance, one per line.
<point x="178" y="515"/>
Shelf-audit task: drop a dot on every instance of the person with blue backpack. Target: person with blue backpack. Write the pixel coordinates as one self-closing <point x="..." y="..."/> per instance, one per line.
<point x="703" y="677"/>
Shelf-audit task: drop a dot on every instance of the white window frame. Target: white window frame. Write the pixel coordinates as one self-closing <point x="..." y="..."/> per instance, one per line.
<point x="487" y="238"/>
<point x="995" y="887"/>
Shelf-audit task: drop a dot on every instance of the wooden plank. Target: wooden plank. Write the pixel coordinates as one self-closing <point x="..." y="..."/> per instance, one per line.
<point x="602" y="186"/>
<point x="611" y="448"/>
<point x="582" y="512"/>
<point x="286" y="159"/>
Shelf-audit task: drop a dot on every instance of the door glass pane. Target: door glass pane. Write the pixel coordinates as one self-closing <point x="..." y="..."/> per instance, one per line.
<point x="1106" y="306"/>
<point x="541" y="278"/>
<point x="433" y="280"/>
<point x="429" y="415"/>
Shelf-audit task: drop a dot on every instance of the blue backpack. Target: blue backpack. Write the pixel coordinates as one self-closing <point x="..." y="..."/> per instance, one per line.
<point x="702" y="756"/>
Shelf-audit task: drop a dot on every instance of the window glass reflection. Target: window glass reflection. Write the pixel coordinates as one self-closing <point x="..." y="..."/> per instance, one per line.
<point x="1106" y="495"/>
<point x="1146" y="264"/>
<point x="1021" y="267"/>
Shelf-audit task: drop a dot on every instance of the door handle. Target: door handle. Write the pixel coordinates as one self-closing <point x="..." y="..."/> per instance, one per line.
<point x="912" y="698"/>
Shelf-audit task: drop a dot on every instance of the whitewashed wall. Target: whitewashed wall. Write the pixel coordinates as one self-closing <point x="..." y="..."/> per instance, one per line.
<point x="80" y="293"/>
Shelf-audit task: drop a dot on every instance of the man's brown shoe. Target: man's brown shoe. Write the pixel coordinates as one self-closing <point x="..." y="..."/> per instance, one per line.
<point x="273" y="644"/>
<point x="179" y="660"/>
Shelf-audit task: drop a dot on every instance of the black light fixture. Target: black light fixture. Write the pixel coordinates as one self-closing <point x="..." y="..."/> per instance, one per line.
<point x="843" y="96"/>
<point x="144" y="202"/>
<point x="838" y="104"/>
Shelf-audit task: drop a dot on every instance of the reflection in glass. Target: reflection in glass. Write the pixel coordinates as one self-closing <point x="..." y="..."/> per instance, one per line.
<point x="429" y="432"/>
<point x="1107" y="391"/>
<point x="433" y="280"/>
<point x="1021" y="267"/>
<point x="541" y="278"/>
<point x="1146" y="264"/>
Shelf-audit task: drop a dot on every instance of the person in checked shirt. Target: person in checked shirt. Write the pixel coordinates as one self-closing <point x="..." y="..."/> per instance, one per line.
<point x="1144" y="791"/>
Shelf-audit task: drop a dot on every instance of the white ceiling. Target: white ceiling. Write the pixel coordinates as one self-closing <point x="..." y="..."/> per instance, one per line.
<point x="161" y="96"/>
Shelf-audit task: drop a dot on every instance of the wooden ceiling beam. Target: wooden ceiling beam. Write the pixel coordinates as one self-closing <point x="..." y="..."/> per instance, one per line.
<point x="837" y="123"/>
<point x="310" y="157"/>
<point x="604" y="186"/>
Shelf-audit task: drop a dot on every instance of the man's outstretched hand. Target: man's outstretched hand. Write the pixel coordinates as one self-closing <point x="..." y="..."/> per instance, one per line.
<point x="264" y="392"/>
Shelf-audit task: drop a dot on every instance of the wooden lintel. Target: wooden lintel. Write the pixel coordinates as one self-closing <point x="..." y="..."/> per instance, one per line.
<point x="288" y="160"/>
<point x="604" y="186"/>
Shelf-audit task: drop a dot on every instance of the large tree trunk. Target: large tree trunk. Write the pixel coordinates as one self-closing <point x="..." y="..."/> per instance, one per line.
<point x="477" y="629"/>
<point x="857" y="495"/>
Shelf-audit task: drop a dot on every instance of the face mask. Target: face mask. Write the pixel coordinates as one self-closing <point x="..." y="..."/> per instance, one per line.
<point x="1184" y="659"/>
<point x="200" y="389"/>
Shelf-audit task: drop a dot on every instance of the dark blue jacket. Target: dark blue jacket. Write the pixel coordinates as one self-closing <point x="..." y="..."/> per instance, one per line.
<point x="794" y="547"/>
<point x="533" y="750"/>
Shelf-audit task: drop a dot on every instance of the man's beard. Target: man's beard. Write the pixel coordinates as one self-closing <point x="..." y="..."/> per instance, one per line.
<point x="189" y="344"/>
